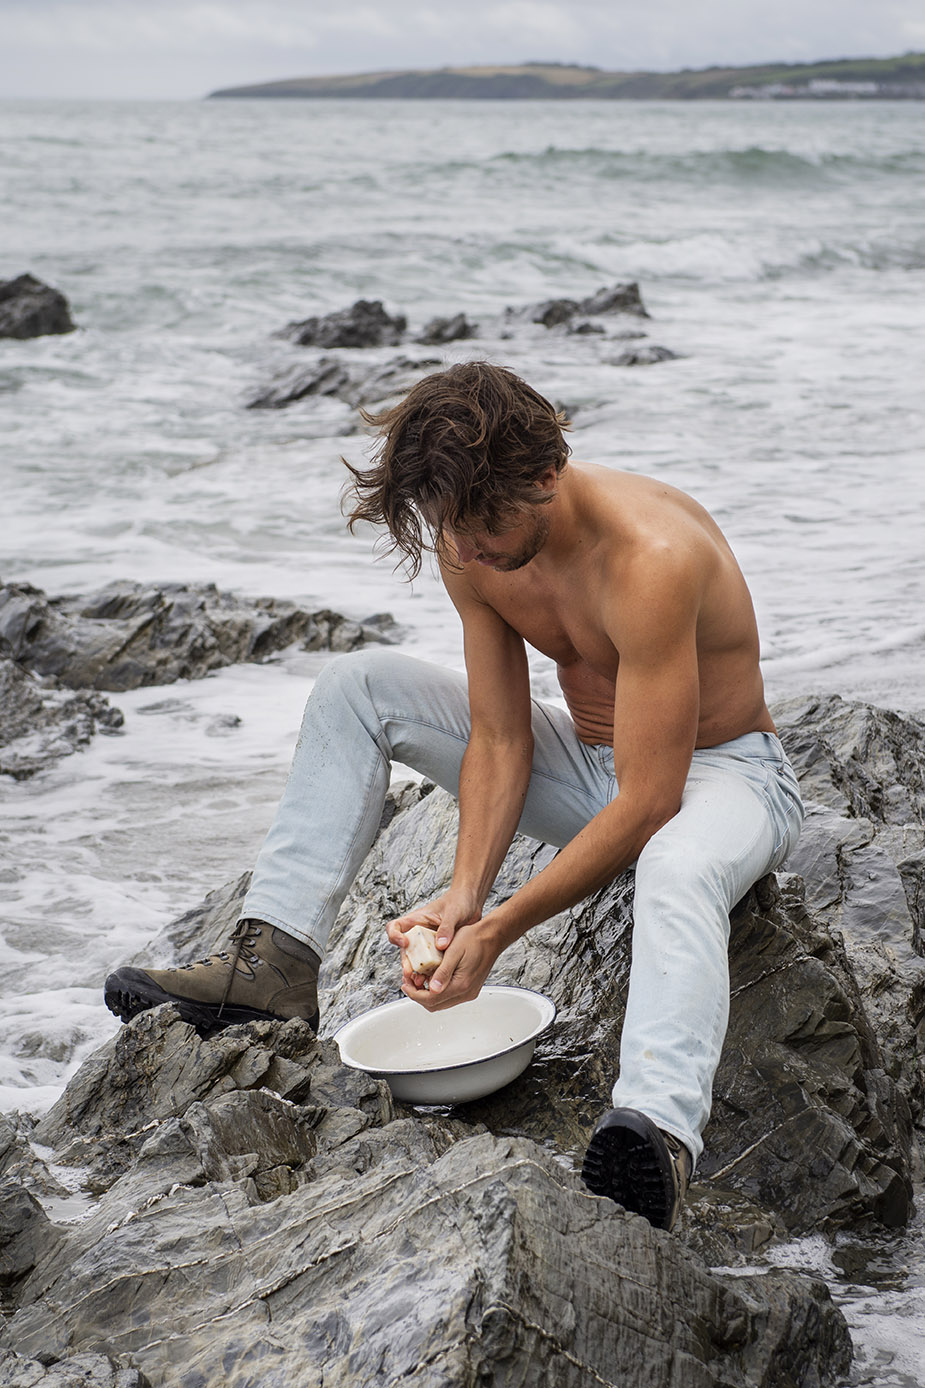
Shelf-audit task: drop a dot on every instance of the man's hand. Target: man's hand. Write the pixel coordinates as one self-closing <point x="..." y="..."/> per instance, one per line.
<point x="468" y="960"/>
<point x="445" y="915"/>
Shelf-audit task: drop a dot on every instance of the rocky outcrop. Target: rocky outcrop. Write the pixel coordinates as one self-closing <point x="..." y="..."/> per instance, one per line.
<point x="42" y="721"/>
<point x="261" y="1214"/>
<point x="30" y="308"/>
<point x="862" y="857"/>
<point x="453" y="329"/>
<point x="75" y="1371"/>
<point x="552" y="313"/>
<point x="801" y="1083"/>
<point x="253" y="1211"/>
<point x="130" y="634"/>
<point x="364" y="324"/>
<point x="357" y="384"/>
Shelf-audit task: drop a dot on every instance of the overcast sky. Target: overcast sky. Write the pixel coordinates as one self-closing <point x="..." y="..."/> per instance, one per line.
<point x="186" y="48"/>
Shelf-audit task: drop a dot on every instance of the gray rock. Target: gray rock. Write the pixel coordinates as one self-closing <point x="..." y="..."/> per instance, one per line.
<point x="41" y="721"/>
<point x="865" y="762"/>
<point x="441" y="330"/>
<point x="552" y="313"/>
<point x="29" y="308"/>
<point x="250" y="1238"/>
<point x="618" y="298"/>
<point x="129" y="634"/>
<point x="803" y="1090"/>
<point x="364" y="324"/>
<point x="74" y="1371"/>
<point x="648" y="355"/>
<point x="357" y="384"/>
<point x="862" y="857"/>
<point x="329" y="376"/>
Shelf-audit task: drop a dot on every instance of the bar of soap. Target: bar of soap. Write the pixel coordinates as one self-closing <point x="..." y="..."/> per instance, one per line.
<point x="421" y="950"/>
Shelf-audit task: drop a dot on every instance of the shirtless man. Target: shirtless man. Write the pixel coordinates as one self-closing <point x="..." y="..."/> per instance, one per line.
<point x="666" y="757"/>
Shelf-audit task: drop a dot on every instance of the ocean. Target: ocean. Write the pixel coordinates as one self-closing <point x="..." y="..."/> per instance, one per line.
<point x="780" y="251"/>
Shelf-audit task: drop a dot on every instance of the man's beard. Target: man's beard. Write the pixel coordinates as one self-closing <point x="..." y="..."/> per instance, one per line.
<point x="528" y="551"/>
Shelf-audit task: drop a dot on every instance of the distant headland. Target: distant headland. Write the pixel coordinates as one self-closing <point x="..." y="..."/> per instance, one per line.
<point x="842" y="79"/>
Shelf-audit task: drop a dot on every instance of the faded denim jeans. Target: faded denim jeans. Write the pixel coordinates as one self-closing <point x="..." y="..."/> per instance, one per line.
<point x="740" y="815"/>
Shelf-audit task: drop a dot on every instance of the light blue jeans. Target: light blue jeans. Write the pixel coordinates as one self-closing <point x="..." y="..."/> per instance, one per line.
<point x="740" y="815"/>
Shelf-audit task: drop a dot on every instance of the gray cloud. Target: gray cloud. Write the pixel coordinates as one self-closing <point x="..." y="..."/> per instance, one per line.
<point x="184" y="48"/>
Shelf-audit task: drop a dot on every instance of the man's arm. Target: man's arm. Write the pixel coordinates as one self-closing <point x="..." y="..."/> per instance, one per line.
<point x="495" y="769"/>
<point x="656" y="709"/>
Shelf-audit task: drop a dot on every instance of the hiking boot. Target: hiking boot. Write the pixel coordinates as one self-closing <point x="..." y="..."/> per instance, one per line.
<point x="638" y="1166"/>
<point x="266" y="976"/>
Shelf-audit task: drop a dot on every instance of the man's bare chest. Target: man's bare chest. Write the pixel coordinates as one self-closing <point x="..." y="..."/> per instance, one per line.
<point x="561" y="624"/>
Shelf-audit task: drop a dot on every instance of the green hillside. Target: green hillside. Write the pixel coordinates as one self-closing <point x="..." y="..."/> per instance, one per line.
<point x="892" y="78"/>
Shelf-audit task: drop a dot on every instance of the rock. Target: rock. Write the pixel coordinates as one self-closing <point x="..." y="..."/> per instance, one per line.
<point x="647" y="355"/>
<point x="364" y="324"/>
<point x="863" y="761"/>
<point x="29" y="308"/>
<point x="357" y="385"/>
<point x="618" y="298"/>
<point x="254" y="1207"/>
<point x="862" y="857"/>
<point x="806" y="1089"/>
<point x="329" y="376"/>
<point x="441" y="330"/>
<point x="41" y="721"/>
<point x="551" y="313"/>
<point x="130" y="634"/>
<point x="74" y="1371"/>
<point x="253" y="1238"/>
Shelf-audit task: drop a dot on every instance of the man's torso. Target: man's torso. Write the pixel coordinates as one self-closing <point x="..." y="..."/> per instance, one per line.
<point x="628" y="523"/>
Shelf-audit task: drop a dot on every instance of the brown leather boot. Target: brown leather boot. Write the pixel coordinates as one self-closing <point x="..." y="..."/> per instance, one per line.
<point x="267" y="975"/>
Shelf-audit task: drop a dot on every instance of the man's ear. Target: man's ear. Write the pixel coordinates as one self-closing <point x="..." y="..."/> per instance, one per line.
<point x="548" y="480"/>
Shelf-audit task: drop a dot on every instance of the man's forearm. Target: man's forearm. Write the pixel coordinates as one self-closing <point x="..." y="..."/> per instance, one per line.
<point x="608" y="844"/>
<point x="493" y="781"/>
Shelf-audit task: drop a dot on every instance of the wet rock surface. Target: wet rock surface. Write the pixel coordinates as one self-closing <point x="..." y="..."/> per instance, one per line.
<point x="75" y="1371"/>
<point x="358" y="384"/>
<point x="612" y="314"/>
<point x="862" y="857"/>
<point x="258" y="1213"/>
<point x="255" y="1211"/>
<point x="42" y="721"/>
<point x="130" y="634"/>
<point x="365" y="324"/>
<point x="31" y="308"/>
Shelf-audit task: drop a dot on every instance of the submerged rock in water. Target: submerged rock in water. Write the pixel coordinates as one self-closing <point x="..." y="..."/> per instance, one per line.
<point x="552" y="313"/>
<point x="41" y="721"/>
<point x="30" y="308"/>
<point x="356" y="384"/>
<point x="130" y="634"/>
<point x="364" y="324"/>
<point x="454" y="329"/>
<point x="648" y="355"/>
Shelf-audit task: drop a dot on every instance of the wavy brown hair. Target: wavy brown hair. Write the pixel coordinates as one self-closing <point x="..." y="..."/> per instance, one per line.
<point x="468" y="444"/>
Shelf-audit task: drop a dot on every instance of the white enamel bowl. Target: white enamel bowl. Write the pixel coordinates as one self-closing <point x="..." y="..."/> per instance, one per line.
<point x="449" y="1057"/>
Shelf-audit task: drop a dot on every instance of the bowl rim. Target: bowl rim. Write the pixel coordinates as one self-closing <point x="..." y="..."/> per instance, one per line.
<point x="549" y="1010"/>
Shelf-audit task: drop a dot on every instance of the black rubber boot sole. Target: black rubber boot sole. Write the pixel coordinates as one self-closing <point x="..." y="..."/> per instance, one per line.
<point x="629" y="1160"/>
<point x="130" y="991"/>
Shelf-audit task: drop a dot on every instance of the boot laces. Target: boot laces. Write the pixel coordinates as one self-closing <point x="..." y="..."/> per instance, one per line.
<point x="244" y="936"/>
